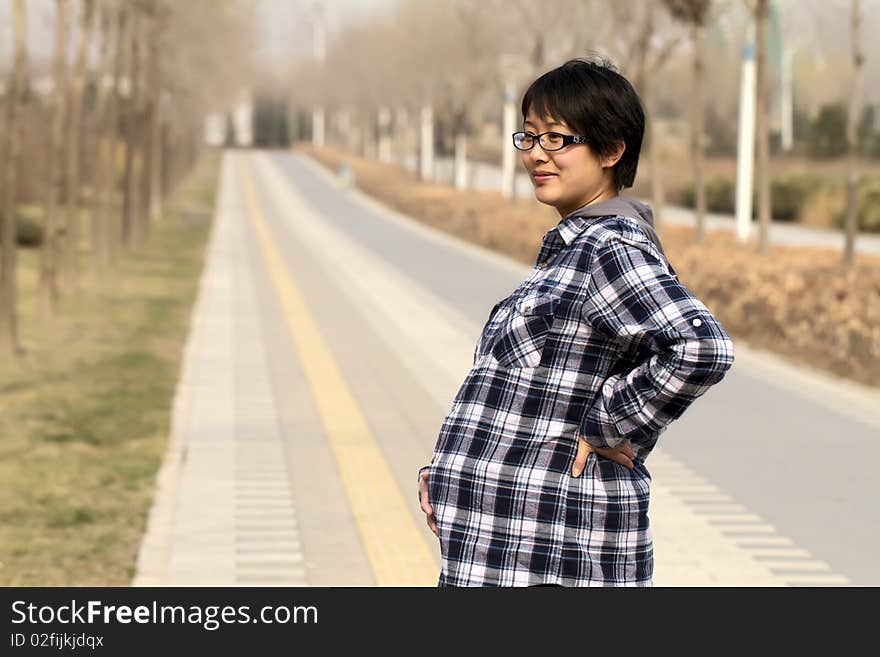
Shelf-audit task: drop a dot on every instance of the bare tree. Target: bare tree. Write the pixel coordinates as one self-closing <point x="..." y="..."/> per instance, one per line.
<point x="645" y="53"/>
<point x="131" y="121"/>
<point x="10" y="157"/>
<point x="146" y="117"/>
<point x="110" y="227"/>
<point x="75" y="137"/>
<point x="155" y="15"/>
<point x="55" y="176"/>
<point x="105" y="138"/>
<point x="852" y="126"/>
<point x="162" y="13"/>
<point x="695" y="13"/>
<point x="183" y="67"/>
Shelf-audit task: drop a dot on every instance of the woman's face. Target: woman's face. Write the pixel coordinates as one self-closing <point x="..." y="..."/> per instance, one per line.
<point x="569" y="178"/>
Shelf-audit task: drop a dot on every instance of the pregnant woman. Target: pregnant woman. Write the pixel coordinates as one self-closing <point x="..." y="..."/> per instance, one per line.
<point x="538" y="476"/>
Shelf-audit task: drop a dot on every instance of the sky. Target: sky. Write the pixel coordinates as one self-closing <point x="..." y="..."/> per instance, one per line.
<point x="284" y="25"/>
<point x="284" y="29"/>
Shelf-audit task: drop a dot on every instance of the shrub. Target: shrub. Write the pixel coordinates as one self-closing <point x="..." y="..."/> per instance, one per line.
<point x="868" y="212"/>
<point x="787" y="196"/>
<point x="28" y="230"/>
<point x="720" y="195"/>
<point x="871" y="145"/>
<point x="827" y="135"/>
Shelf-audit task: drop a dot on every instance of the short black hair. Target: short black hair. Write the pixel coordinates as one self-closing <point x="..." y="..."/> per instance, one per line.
<point x="598" y="102"/>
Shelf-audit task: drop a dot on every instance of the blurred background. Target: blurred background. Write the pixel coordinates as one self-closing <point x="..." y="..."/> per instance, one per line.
<point x="120" y="120"/>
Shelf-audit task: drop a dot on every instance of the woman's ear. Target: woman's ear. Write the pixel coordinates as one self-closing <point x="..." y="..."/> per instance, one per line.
<point x="611" y="159"/>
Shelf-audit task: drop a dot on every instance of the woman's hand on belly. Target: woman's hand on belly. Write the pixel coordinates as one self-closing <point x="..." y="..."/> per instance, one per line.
<point x="622" y="454"/>
<point x="427" y="509"/>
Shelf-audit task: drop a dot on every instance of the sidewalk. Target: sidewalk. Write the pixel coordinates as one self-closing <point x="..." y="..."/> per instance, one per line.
<point x="223" y="513"/>
<point x="780" y="232"/>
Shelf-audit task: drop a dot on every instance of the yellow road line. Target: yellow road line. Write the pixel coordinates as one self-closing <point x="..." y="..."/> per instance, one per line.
<point x="395" y="547"/>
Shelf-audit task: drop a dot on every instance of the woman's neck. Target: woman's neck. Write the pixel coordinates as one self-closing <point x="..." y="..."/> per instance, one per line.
<point x="604" y="195"/>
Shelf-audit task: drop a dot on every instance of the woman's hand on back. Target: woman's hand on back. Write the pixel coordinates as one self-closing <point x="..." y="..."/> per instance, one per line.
<point x="622" y="454"/>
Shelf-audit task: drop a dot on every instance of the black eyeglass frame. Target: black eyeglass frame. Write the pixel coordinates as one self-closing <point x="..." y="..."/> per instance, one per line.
<point x="536" y="139"/>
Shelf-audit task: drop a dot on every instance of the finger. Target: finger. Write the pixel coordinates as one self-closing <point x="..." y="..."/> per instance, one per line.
<point x="623" y="459"/>
<point x="432" y="524"/>
<point x="427" y="509"/>
<point x="580" y="460"/>
<point x="623" y="450"/>
<point x="423" y="497"/>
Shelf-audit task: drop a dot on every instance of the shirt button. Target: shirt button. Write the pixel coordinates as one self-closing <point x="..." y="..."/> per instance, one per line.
<point x="697" y="322"/>
<point x="527" y="308"/>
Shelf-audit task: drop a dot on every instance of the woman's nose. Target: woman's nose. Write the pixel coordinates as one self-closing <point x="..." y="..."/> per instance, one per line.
<point x="537" y="154"/>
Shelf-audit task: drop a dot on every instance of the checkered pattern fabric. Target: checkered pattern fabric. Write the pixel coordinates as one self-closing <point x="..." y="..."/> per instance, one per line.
<point x="602" y="341"/>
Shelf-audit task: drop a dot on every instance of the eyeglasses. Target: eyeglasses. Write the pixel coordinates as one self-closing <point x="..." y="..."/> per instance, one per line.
<point x="550" y="141"/>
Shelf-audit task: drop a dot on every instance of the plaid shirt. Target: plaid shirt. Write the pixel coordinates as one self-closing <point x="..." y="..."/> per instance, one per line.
<point x="603" y="341"/>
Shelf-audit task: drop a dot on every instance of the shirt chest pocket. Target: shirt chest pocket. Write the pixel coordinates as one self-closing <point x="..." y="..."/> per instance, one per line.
<point x="520" y="339"/>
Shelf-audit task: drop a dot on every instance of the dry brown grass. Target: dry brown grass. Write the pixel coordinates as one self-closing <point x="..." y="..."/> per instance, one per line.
<point x="795" y="301"/>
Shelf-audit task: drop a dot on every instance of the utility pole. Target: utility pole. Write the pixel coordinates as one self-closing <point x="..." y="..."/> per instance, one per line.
<point x="745" y="151"/>
<point x="787" y="104"/>
<point x="426" y="152"/>
<point x="762" y="168"/>
<point x="851" y="224"/>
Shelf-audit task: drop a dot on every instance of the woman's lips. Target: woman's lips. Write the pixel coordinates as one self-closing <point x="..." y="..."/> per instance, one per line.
<point x="543" y="177"/>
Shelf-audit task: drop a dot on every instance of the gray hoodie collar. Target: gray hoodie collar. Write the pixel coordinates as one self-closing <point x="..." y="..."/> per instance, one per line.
<point x="623" y="205"/>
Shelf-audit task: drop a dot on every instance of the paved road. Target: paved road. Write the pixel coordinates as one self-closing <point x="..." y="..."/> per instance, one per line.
<point x="329" y="339"/>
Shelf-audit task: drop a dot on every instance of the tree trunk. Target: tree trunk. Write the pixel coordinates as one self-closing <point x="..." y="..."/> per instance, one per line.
<point x="146" y="170"/>
<point x="384" y="128"/>
<point x="10" y="156"/>
<point x="658" y="190"/>
<point x="105" y="132"/>
<point x="55" y="175"/>
<point x="71" y="241"/>
<point x="129" y="184"/>
<point x="643" y="81"/>
<point x="157" y="163"/>
<point x="167" y="159"/>
<point x="762" y="170"/>
<point x="852" y="126"/>
<point x="145" y="123"/>
<point x="697" y="122"/>
<point x="110" y="223"/>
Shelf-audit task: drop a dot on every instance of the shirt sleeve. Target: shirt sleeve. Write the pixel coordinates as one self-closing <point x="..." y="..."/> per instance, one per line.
<point x="637" y="301"/>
